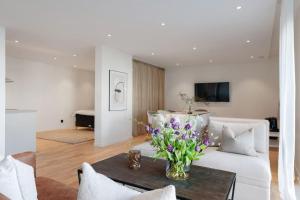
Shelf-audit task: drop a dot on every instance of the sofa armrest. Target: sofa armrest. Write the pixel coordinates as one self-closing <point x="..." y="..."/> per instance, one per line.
<point x="28" y="158"/>
<point x="2" y="197"/>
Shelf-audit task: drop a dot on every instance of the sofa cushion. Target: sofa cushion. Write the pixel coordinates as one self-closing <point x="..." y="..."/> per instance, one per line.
<point x="49" y="189"/>
<point x="250" y="170"/>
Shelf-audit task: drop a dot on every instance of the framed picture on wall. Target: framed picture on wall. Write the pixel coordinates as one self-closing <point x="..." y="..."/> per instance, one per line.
<point x="117" y="90"/>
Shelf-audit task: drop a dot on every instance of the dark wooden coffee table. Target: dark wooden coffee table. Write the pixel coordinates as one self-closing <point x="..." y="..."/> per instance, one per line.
<point x="203" y="183"/>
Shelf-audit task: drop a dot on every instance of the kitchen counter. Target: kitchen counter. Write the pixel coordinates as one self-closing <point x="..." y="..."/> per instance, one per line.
<point x="20" y="131"/>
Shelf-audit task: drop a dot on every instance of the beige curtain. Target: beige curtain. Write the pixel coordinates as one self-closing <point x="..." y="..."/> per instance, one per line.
<point x="148" y="93"/>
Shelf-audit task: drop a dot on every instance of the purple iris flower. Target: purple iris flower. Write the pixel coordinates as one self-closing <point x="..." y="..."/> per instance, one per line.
<point x="188" y="126"/>
<point x="156" y="131"/>
<point x="172" y="120"/>
<point x="177" y="133"/>
<point x="197" y="148"/>
<point x="176" y="125"/>
<point x="193" y="135"/>
<point x="183" y="136"/>
<point x="149" y="129"/>
<point x="206" y="142"/>
<point x="170" y="148"/>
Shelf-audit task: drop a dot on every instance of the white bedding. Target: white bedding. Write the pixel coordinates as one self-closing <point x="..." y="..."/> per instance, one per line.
<point x="85" y="112"/>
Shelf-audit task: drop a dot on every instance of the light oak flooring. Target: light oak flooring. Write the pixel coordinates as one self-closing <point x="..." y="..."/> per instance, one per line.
<point x="60" y="161"/>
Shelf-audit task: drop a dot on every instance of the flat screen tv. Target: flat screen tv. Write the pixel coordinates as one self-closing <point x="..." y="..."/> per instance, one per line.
<point x="212" y="92"/>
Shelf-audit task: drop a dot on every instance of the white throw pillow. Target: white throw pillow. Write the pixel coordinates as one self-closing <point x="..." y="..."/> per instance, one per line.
<point x="241" y="143"/>
<point x="9" y="185"/>
<point x="97" y="186"/>
<point x="215" y="133"/>
<point x="167" y="193"/>
<point x="26" y="180"/>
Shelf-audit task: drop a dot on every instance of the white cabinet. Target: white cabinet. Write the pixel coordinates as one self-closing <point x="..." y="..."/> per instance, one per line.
<point x="20" y="131"/>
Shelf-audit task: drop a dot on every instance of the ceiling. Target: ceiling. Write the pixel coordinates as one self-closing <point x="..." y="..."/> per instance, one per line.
<point x="58" y="29"/>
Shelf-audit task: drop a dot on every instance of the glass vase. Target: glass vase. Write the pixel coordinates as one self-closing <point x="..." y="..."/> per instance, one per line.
<point x="177" y="172"/>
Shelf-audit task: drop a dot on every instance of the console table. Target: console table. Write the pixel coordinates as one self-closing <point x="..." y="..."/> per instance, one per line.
<point x="203" y="183"/>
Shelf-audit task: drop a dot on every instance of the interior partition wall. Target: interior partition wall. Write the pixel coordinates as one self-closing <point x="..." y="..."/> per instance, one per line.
<point x="148" y="93"/>
<point x="2" y="92"/>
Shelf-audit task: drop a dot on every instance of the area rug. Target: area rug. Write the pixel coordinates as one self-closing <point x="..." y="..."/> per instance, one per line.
<point x="67" y="136"/>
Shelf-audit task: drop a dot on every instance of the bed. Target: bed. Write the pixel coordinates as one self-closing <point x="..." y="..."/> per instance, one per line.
<point x="84" y="118"/>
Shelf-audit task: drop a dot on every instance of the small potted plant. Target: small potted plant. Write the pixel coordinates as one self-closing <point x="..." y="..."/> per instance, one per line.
<point x="179" y="144"/>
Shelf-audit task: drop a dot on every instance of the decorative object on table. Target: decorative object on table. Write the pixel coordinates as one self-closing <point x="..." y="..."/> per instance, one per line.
<point x="117" y="90"/>
<point x="179" y="144"/>
<point x="134" y="159"/>
<point x="188" y="101"/>
<point x="273" y="124"/>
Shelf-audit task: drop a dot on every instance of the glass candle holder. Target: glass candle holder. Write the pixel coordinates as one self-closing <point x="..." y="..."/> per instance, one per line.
<point x="134" y="159"/>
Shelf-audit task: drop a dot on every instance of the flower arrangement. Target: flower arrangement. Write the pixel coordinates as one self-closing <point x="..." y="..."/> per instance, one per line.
<point x="179" y="145"/>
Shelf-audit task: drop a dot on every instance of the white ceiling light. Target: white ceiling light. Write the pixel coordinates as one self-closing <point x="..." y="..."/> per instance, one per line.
<point x="194" y="48"/>
<point x="74" y="66"/>
<point x="109" y="35"/>
<point x="211" y="61"/>
<point x="74" y="55"/>
<point x="163" y="24"/>
<point x="177" y="64"/>
<point x="17" y="41"/>
<point x="248" y="41"/>
<point x="152" y="54"/>
<point x="251" y="57"/>
<point x="54" y="58"/>
<point x="239" y="7"/>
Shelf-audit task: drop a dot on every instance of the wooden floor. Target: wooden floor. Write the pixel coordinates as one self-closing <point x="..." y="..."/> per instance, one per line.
<point x="60" y="161"/>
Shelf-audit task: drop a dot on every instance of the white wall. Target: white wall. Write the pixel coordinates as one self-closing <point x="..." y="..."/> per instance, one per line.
<point x="111" y="126"/>
<point x="55" y="92"/>
<point x="2" y="92"/>
<point x="254" y="89"/>
<point x="297" y="59"/>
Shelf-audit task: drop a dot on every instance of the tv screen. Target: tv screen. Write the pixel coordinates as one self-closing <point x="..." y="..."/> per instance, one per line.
<point x="212" y="92"/>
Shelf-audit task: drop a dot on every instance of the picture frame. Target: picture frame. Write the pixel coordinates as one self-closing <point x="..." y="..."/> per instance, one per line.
<point x="118" y="83"/>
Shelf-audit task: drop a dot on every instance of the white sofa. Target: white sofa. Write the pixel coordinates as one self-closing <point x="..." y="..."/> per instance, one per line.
<point x="253" y="173"/>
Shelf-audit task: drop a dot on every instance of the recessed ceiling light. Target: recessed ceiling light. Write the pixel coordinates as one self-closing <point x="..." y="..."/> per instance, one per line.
<point x="163" y="24"/>
<point x="74" y="55"/>
<point x="194" y="48"/>
<point x="248" y="41"/>
<point x="152" y="54"/>
<point x="211" y="61"/>
<point x="54" y="58"/>
<point x="17" y="41"/>
<point x="177" y="64"/>
<point x="239" y="7"/>
<point x="109" y="35"/>
<point x="74" y="66"/>
<point x="251" y="57"/>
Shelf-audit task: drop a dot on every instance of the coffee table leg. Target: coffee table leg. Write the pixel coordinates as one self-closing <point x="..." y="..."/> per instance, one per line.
<point x="233" y="189"/>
